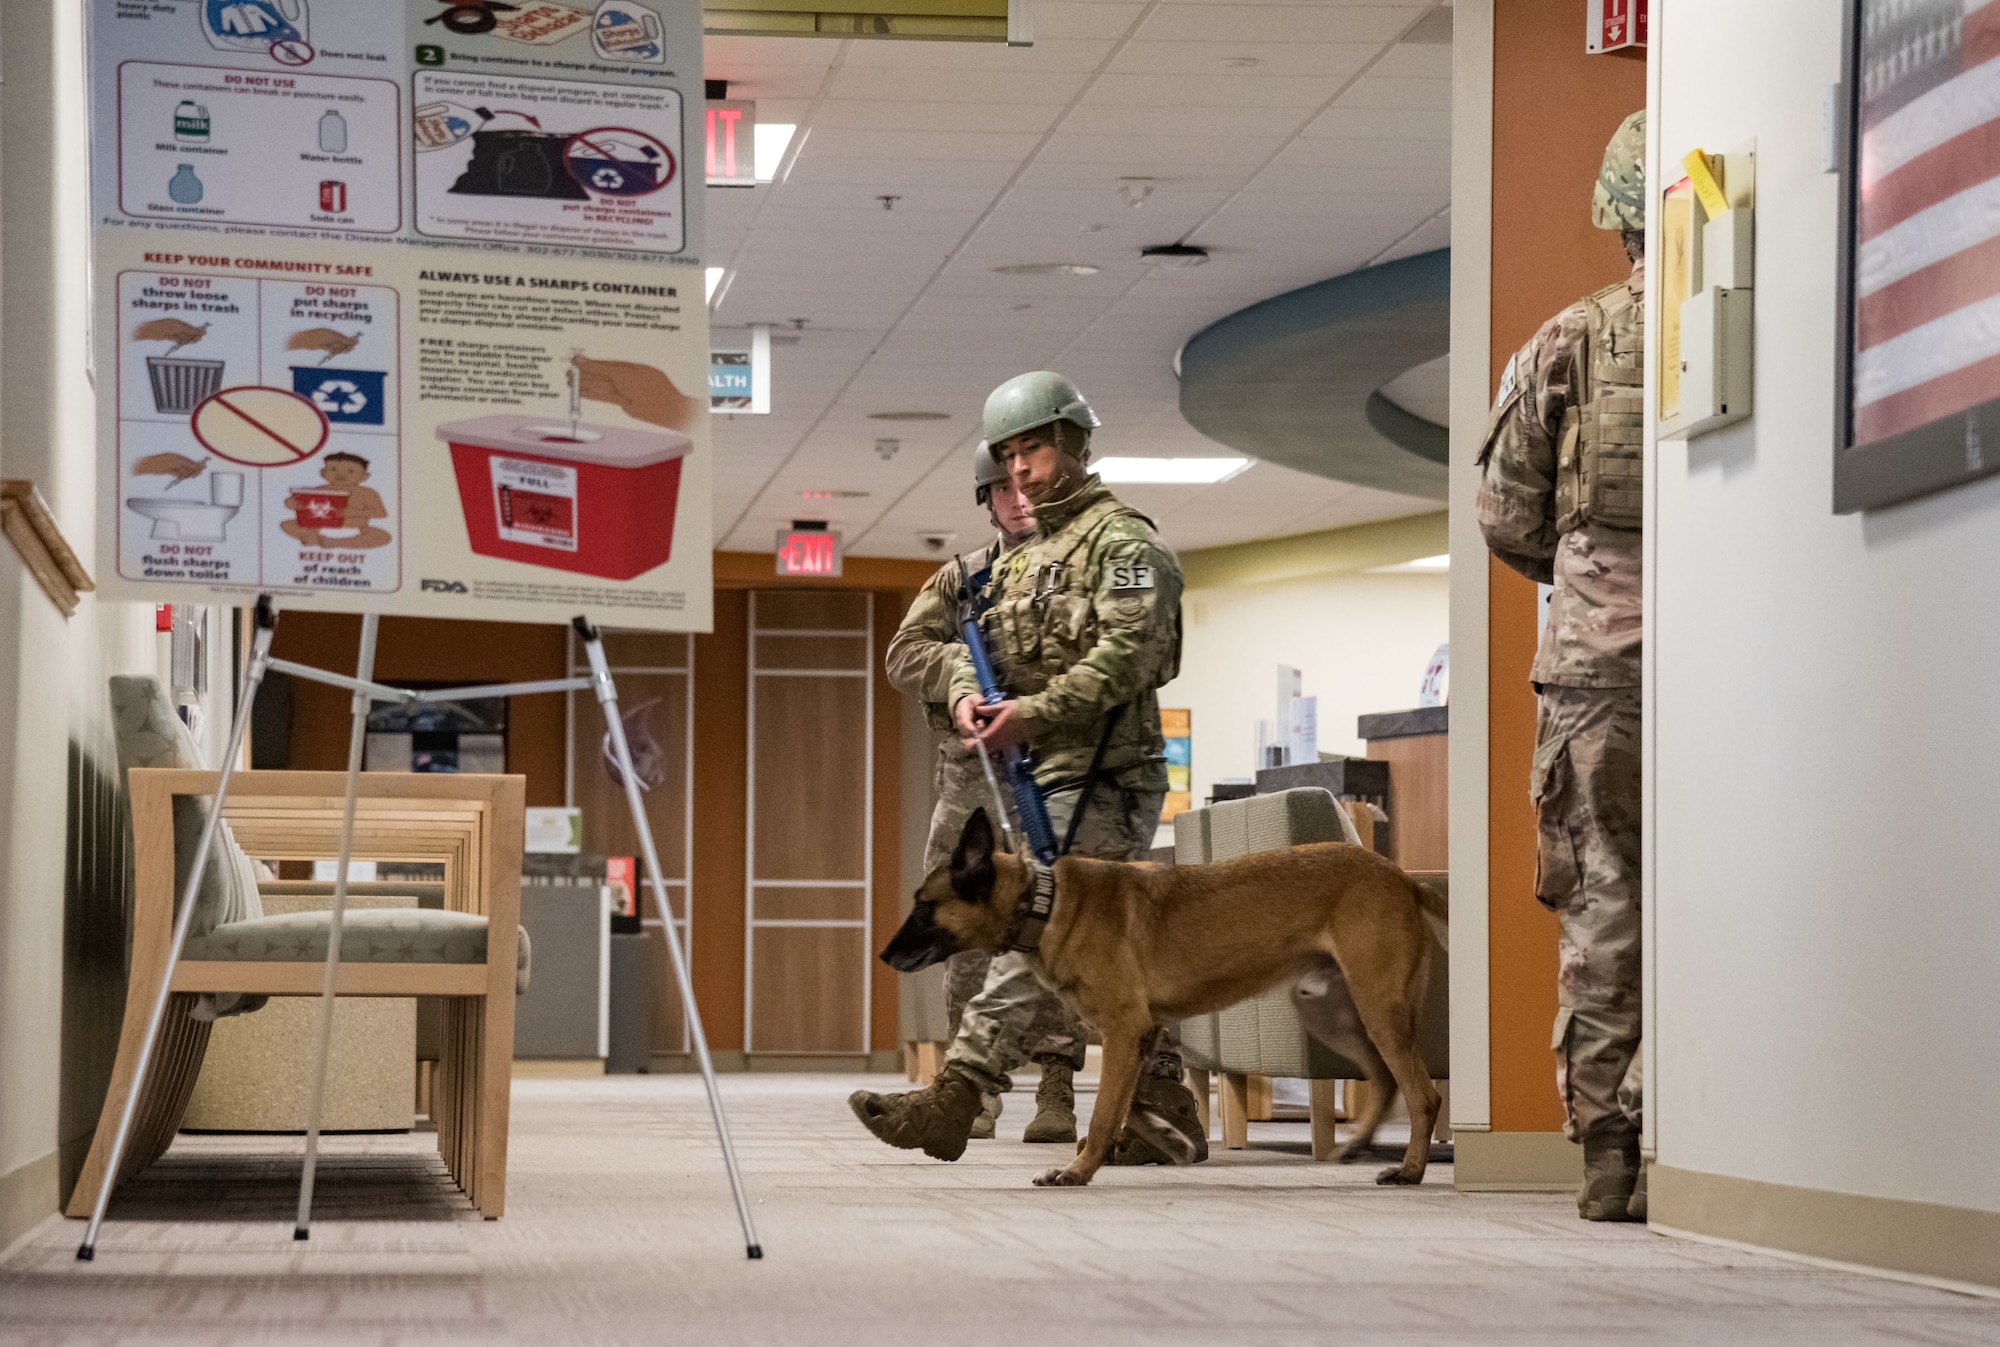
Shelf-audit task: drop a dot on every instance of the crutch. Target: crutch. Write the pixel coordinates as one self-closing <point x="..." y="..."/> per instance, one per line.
<point x="357" y="739"/>
<point x="260" y="656"/>
<point x="607" y="697"/>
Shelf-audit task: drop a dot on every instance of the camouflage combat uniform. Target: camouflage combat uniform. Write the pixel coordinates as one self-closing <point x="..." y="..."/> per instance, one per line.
<point x="1085" y="619"/>
<point x="1559" y="501"/>
<point x="921" y="657"/>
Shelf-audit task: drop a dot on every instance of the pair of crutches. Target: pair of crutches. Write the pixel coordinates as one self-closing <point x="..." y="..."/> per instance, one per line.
<point x="366" y="691"/>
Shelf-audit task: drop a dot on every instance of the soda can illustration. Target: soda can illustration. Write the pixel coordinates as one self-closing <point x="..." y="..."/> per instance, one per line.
<point x="253" y="25"/>
<point x="333" y="196"/>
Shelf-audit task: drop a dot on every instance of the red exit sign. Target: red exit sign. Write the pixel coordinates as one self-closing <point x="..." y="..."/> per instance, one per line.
<point x="1615" y="24"/>
<point x="808" y="552"/>
<point x="732" y="144"/>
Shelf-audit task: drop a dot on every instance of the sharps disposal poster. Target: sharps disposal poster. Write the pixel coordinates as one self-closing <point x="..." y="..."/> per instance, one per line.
<point x="400" y="306"/>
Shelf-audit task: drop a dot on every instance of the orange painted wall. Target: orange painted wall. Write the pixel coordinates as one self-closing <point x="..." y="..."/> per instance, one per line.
<point x="1553" y="110"/>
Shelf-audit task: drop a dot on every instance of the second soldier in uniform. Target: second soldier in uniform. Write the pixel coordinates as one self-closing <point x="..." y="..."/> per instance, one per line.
<point x="922" y="657"/>
<point x="1083" y="624"/>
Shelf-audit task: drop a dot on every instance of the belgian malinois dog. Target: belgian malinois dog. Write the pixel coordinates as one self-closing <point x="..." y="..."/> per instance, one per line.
<point x="1131" y="946"/>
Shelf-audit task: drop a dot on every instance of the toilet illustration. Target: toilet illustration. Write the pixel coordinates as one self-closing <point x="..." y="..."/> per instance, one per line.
<point x="187" y="519"/>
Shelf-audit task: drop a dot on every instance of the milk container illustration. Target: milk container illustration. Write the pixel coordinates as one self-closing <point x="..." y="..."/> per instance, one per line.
<point x="184" y="187"/>
<point x="252" y="25"/>
<point x="333" y="133"/>
<point x="190" y="122"/>
<point x="627" y="32"/>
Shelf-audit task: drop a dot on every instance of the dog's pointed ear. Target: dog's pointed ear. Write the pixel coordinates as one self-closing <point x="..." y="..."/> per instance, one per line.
<point x="972" y="860"/>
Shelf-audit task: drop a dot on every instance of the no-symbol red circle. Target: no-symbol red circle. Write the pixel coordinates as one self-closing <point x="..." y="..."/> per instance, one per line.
<point x="260" y="427"/>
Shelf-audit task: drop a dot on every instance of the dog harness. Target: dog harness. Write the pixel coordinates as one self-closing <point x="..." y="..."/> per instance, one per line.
<point x="1027" y="936"/>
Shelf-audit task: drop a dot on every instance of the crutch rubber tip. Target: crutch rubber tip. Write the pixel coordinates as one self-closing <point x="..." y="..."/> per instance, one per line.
<point x="85" y="1252"/>
<point x="300" y="1232"/>
<point x="755" y="1251"/>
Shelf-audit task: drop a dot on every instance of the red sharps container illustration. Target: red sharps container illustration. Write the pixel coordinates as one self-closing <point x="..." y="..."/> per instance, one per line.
<point x="595" y="499"/>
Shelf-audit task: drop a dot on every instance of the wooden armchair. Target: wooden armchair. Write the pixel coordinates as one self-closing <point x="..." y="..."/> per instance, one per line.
<point x="467" y="951"/>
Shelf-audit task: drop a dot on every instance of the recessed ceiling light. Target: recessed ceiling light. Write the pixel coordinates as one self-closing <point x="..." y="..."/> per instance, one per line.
<point x="833" y="495"/>
<point x="1169" y="471"/>
<point x="1437" y="565"/>
<point x="1241" y="62"/>
<point x="1049" y="269"/>
<point x="718" y="284"/>
<point x="909" y="416"/>
<point x="1179" y="256"/>
<point x="772" y="140"/>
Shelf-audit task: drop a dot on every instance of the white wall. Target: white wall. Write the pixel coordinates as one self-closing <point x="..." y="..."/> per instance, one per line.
<point x="61" y="881"/>
<point x="1362" y="642"/>
<point x="1825" y="774"/>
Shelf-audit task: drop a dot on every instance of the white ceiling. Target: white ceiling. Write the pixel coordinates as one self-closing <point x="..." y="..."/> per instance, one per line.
<point x="1331" y="152"/>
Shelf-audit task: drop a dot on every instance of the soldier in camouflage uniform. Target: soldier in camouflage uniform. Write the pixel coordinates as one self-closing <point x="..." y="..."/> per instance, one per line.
<point x="921" y="659"/>
<point x="1083" y="628"/>
<point x="1560" y="501"/>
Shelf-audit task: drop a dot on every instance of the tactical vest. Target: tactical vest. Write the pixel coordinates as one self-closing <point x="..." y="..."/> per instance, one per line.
<point x="1045" y="630"/>
<point x="1600" y="467"/>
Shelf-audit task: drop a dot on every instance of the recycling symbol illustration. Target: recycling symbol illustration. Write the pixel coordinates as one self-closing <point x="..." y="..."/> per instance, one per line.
<point x="339" y="397"/>
<point x="351" y="397"/>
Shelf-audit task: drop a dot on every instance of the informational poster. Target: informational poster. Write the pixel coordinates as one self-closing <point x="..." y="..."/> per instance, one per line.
<point x="399" y="307"/>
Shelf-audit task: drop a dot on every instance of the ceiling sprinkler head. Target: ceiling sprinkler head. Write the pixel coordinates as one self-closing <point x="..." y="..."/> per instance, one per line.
<point x="885" y="449"/>
<point x="888" y="202"/>
<point x="1135" y="190"/>
<point x="1179" y="256"/>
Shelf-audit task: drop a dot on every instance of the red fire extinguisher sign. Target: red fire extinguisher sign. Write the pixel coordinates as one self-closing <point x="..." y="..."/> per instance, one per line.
<point x="1615" y="24"/>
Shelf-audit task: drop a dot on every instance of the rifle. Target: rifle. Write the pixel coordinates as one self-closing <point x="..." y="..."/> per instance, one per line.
<point x="1027" y="792"/>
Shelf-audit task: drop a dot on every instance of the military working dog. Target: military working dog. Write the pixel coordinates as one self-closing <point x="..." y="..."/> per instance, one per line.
<point x="1133" y="945"/>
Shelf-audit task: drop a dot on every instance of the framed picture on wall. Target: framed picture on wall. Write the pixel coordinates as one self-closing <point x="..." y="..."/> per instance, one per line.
<point x="1919" y="356"/>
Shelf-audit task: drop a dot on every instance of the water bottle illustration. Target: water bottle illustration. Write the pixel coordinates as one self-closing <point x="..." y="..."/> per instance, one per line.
<point x="184" y="187"/>
<point x="627" y="32"/>
<point x="252" y="25"/>
<point x="190" y="122"/>
<point x="332" y="133"/>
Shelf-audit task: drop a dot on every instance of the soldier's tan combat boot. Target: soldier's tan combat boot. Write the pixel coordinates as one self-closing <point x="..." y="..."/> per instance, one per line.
<point x="1635" y="1206"/>
<point x="989" y="1117"/>
<point x="936" y="1120"/>
<point x="1164" y="1126"/>
<point x="1610" y="1175"/>
<point x="1055" y="1103"/>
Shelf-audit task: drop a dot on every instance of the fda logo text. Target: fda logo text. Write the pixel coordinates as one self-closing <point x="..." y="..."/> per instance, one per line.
<point x="445" y="587"/>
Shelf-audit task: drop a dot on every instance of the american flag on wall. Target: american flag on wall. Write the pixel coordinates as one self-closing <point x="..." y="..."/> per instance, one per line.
<point x="1927" y="227"/>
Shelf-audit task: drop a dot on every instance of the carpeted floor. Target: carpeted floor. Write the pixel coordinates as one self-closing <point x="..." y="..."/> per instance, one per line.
<point x="619" y="1230"/>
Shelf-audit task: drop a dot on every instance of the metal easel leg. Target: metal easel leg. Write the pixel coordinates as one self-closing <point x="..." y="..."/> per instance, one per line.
<point x="357" y="739"/>
<point x="607" y="697"/>
<point x="260" y="655"/>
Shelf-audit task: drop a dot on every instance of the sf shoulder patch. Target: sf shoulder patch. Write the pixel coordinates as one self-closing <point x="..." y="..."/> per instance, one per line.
<point x="1131" y="575"/>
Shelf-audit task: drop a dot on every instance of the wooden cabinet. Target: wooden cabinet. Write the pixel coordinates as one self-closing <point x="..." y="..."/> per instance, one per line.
<point x="1414" y="744"/>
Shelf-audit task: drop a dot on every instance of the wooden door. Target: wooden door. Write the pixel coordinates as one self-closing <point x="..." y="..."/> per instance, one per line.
<point x="654" y="672"/>
<point x="810" y="851"/>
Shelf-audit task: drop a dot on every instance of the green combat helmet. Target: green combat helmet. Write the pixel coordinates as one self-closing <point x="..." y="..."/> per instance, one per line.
<point x="987" y="472"/>
<point x="1029" y="400"/>
<point x="1619" y="201"/>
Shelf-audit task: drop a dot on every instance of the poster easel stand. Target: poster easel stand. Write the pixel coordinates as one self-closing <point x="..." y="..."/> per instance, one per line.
<point x="367" y="691"/>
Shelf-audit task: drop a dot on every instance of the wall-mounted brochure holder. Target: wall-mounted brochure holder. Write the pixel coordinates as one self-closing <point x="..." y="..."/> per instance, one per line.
<point x="1707" y="314"/>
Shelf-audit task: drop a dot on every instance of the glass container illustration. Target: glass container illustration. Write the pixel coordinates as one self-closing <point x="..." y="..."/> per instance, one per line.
<point x="184" y="187"/>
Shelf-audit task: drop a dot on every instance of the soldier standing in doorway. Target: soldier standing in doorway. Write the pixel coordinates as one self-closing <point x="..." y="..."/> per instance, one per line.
<point x="922" y="658"/>
<point x="1084" y="627"/>
<point x="1560" y="501"/>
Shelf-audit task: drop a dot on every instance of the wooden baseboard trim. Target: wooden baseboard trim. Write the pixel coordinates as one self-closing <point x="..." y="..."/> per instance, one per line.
<point x="1515" y="1162"/>
<point x="557" y="1068"/>
<point x="730" y="1060"/>
<point x="1954" y="1247"/>
<point x="29" y="1195"/>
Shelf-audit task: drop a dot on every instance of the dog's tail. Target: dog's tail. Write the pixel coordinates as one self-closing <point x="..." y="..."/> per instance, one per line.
<point x="1432" y="904"/>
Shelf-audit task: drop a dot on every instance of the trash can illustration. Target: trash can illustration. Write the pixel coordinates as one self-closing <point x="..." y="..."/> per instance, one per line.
<point x="179" y="384"/>
<point x="600" y="500"/>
